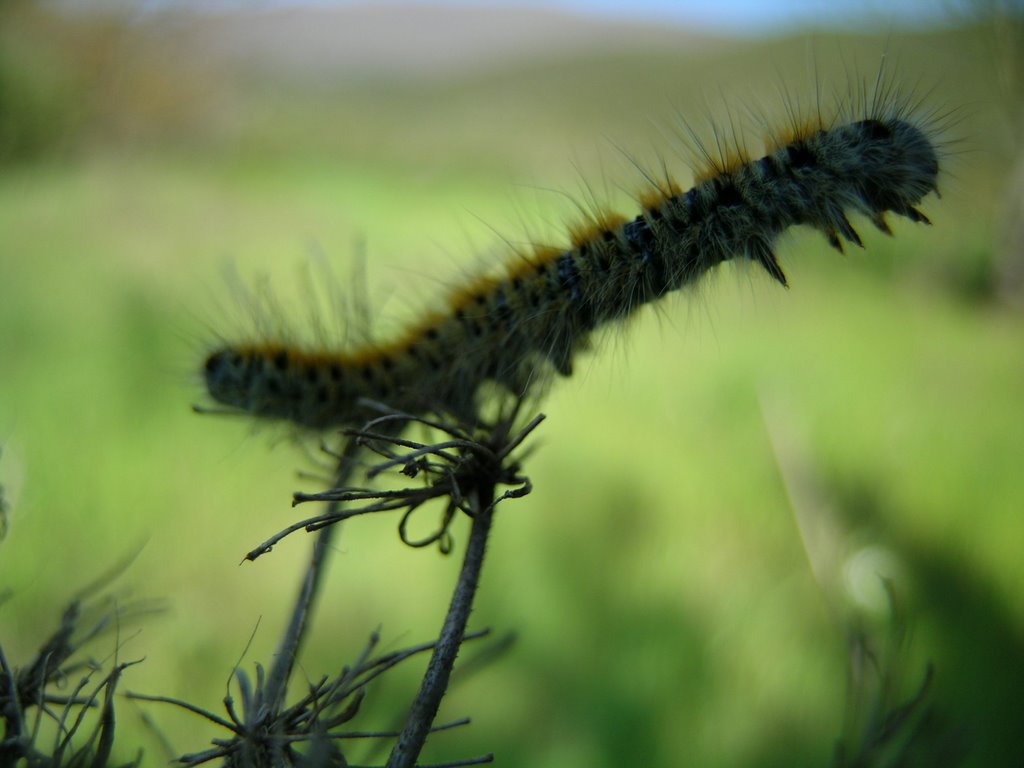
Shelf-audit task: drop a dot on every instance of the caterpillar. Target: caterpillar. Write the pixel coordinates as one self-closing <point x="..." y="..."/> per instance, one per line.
<point x="542" y="309"/>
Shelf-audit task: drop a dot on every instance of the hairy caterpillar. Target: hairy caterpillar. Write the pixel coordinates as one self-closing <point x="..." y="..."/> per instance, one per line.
<point x="537" y="315"/>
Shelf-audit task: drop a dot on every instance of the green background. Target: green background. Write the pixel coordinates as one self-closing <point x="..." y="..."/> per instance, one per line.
<point x="664" y="602"/>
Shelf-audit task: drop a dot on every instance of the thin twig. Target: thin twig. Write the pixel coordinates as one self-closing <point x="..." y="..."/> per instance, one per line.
<point x="186" y="706"/>
<point x="435" y="681"/>
<point x="277" y="680"/>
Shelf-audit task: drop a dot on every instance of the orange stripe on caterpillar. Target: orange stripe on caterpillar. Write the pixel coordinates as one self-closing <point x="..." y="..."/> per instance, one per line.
<point x="538" y="315"/>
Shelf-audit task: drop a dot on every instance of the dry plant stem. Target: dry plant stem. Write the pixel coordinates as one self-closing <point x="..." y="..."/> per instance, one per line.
<point x="435" y="681"/>
<point x="288" y="651"/>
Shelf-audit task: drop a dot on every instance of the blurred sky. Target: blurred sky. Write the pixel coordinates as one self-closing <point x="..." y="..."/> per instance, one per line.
<point x="742" y="16"/>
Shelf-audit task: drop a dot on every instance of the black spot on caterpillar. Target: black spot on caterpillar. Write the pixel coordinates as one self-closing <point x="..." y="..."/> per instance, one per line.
<point x="542" y="310"/>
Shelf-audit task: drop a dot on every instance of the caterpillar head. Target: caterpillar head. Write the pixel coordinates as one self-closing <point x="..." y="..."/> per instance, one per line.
<point x="229" y="376"/>
<point x="900" y="170"/>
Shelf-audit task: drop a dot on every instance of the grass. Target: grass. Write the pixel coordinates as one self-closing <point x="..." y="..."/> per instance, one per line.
<point x="656" y="577"/>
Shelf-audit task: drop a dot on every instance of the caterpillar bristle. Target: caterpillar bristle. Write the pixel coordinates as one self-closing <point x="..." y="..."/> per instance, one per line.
<point x="659" y="191"/>
<point x="599" y="225"/>
<point x="833" y="239"/>
<point x="916" y="216"/>
<point x="878" y="219"/>
<point x="764" y="256"/>
<point x="878" y="156"/>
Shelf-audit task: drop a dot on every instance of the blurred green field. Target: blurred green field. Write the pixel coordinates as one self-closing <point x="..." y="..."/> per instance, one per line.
<point x="664" y="603"/>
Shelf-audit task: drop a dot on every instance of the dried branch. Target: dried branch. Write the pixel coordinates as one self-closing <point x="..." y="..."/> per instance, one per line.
<point x="259" y="736"/>
<point x="38" y="690"/>
<point x="464" y="469"/>
<point x="480" y="479"/>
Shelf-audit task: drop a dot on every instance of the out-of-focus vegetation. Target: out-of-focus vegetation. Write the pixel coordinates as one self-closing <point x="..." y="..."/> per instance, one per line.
<point x="671" y="604"/>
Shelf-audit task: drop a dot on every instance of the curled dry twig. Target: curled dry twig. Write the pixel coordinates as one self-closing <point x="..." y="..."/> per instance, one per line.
<point x="449" y="468"/>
